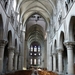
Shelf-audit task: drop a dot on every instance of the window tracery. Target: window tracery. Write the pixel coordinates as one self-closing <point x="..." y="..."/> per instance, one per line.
<point x="35" y="55"/>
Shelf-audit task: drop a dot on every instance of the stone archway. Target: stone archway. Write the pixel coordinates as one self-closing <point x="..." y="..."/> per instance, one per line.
<point x="62" y="54"/>
<point x="72" y="37"/>
<point x="71" y="29"/>
<point x="69" y="43"/>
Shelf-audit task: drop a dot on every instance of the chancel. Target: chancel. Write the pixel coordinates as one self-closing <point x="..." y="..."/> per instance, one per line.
<point x="37" y="37"/>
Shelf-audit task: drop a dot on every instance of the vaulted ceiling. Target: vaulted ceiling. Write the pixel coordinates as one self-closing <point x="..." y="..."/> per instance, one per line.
<point x="27" y="8"/>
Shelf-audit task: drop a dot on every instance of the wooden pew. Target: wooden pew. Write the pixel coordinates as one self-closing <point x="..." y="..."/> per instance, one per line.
<point x="21" y="72"/>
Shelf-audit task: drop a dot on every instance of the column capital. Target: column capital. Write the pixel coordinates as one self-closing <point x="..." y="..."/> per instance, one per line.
<point x="69" y="44"/>
<point x="2" y="42"/>
<point x="54" y="53"/>
<point x="16" y="52"/>
<point x="11" y="48"/>
<point x="59" y="49"/>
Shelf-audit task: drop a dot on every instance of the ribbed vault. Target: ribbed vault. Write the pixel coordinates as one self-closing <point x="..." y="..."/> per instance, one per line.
<point x="44" y="9"/>
<point x="27" y="7"/>
<point x="35" y="33"/>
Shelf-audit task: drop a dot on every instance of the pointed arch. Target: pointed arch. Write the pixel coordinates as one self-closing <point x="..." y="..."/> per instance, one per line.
<point x="9" y="38"/>
<point x="61" y="39"/>
<point x="43" y="16"/>
<point x="71" y="28"/>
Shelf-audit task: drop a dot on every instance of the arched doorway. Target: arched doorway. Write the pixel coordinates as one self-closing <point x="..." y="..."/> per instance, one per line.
<point x="64" y="53"/>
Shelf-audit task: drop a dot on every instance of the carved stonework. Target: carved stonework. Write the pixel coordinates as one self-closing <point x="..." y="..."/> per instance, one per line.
<point x="16" y="52"/>
<point x="69" y="44"/>
<point x="54" y="53"/>
<point x="3" y="42"/>
<point x="59" y="49"/>
<point x="11" y="49"/>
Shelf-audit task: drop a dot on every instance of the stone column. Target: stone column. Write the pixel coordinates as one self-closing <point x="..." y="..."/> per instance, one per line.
<point x="16" y="59"/>
<point x="60" y="68"/>
<point x="2" y="45"/>
<point x="20" y="64"/>
<point x="54" y="62"/>
<point x="50" y="62"/>
<point x="10" y="58"/>
<point x="23" y="49"/>
<point x="69" y="46"/>
<point x="48" y="51"/>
